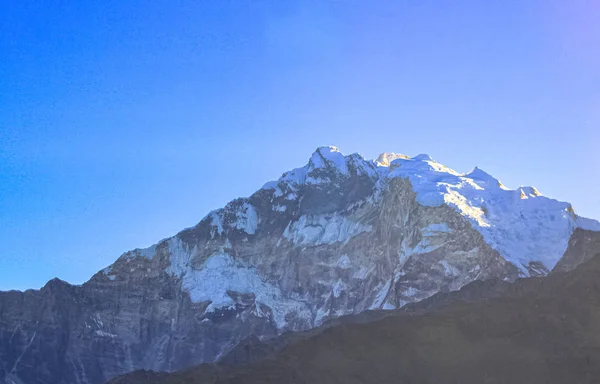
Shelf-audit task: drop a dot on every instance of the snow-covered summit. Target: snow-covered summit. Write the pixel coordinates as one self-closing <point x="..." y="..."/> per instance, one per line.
<point x="384" y="159"/>
<point x="521" y="224"/>
<point x="484" y="179"/>
<point x="325" y="157"/>
<point x="422" y="157"/>
<point x="325" y="164"/>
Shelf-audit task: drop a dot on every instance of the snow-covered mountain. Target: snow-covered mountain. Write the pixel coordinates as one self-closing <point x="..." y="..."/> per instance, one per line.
<point x="337" y="236"/>
<point x="522" y="225"/>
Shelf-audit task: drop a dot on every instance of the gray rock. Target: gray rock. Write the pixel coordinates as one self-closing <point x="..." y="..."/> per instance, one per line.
<point x="583" y="245"/>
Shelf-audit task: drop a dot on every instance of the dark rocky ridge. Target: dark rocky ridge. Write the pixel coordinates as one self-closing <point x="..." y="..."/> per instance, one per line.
<point x="583" y="245"/>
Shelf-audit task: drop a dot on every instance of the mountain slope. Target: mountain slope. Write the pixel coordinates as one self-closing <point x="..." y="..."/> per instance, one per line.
<point x="538" y="330"/>
<point x="582" y="247"/>
<point x="336" y="237"/>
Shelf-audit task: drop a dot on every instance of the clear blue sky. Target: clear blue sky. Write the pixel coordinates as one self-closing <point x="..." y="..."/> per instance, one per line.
<point x="122" y="122"/>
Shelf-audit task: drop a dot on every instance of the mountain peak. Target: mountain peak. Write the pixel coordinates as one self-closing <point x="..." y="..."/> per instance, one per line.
<point x="476" y="195"/>
<point x="531" y="191"/>
<point x="478" y="173"/>
<point x="328" y="157"/>
<point x="386" y="158"/>
<point x="422" y="157"/>
<point x="484" y="179"/>
<point x="327" y="148"/>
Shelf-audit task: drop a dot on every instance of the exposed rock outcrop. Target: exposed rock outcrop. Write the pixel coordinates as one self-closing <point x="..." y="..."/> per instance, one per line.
<point x="583" y="245"/>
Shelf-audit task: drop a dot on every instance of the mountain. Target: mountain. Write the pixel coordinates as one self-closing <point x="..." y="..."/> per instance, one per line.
<point x="537" y="330"/>
<point x="339" y="236"/>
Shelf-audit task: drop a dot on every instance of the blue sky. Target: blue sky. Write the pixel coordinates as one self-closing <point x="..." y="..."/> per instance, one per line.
<point x="122" y="122"/>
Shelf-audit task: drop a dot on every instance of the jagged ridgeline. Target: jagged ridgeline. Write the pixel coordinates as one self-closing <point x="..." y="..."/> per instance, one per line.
<point x="339" y="236"/>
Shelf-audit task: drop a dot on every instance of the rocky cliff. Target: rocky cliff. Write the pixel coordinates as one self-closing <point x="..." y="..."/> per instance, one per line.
<point x="583" y="245"/>
<point x="536" y="330"/>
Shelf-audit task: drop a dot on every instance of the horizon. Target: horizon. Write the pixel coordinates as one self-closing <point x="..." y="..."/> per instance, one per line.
<point x="121" y="125"/>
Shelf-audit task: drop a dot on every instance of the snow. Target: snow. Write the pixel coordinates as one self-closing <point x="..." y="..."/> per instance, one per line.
<point x="279" y="208"/>
<point x="422" y="157"/>
<point x="105" y="334"/>
<point x="386" y="158"/>
<point x="483" y="179"/>
<point x="362" y="166"/>
<point x="525" y="230"/>
<point x="410" y="292"/>
<point x="522" y="230"/>
<point x="344" y="262"/>
<point x="146" y="252"/>
<point x="323" y="229"/>
<point x="215" y="220"/>
<point x="423" y="246"/>
<point x="361" y="274"/>
<point x="221" y="273"/>
<point x="449" y="270"/>
<point x="179" y="256"/>
<point x="589" y="224"/>
<point x="247" y="219"/>
<point x="295" y="176"/>
<point x="97" y="320"/>
<point x="321" y="313"/>
<point x="325" y="157"/>
<point x="381" y="295"/>
<point x="466" y="207"/>
<point x="271" y="185"/>
<point x="433" y="229"/>
<point x="138" y="252"/>
<point x="338" y="287"/>
<point x="522" y="224"/>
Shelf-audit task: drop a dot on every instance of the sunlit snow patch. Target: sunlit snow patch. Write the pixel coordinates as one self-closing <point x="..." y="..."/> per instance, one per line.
<point x="219" y="274"/>
<point x="521" y="228"/>
<point x="247" y="219"/>
<point x="323" y="229"/>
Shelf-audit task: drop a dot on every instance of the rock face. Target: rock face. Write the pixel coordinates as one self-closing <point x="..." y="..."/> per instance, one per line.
<point x="583" y="245"/>
<point x="537" y="330"/>
<point x="336" y="237"/>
